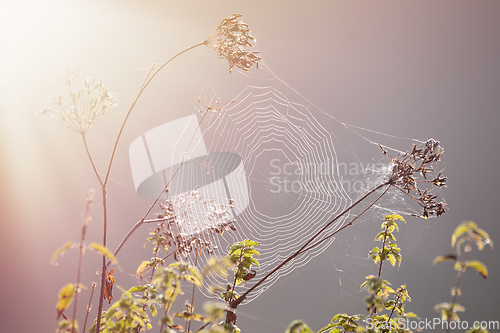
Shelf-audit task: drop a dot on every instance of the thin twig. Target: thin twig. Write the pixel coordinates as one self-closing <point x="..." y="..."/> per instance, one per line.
<point x="104" y="183"/>
<point x="460" y="274"/>
<point x="84" y="138"/>
<point x="348" y="224"/>
<point x="86" y="218"/>
<point x="236" y="302"/>
<point x="191" y="310"/>
<point x="383" y="248"/>
<point x="89" y="306"/>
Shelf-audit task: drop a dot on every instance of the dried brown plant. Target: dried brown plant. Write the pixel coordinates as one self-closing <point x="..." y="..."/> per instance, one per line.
<point x="408" y="166"/>
<point x="230" y="40"/>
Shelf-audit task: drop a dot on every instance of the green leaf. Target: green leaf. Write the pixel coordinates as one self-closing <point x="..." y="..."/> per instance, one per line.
<point x="104" y="251"/>
<point x="331" y="328"/>
<point x="380" y="236"/>
<point x="485" y="236"/>
<point x="136" y="289"/>
<point x="478" y="267"/>
<point x="190" y="316"/>
<point x="65" y="297"/>
<point x="459" y="231"/>
<point x="298" y="326"/>
<point x="143" y="267"/>
<point x="392" y="259"/>
<point x="193" y="279"/>
<point x="250" y="243"/>
<point x="59" y="252"/>
<point x="440" y="259"/>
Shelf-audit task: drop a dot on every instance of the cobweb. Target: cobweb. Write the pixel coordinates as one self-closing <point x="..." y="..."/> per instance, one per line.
<point x="276" y="168"/>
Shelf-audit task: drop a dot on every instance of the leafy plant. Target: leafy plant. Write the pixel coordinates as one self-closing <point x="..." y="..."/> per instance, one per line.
<point x="464" y="237"/>
<point x="162" y="284"/>
<point x="230" y="40"/>
<point x="381" y="296"/>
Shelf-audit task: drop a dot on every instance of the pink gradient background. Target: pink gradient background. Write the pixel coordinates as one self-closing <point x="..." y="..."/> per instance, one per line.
<point x="410" y="68"/>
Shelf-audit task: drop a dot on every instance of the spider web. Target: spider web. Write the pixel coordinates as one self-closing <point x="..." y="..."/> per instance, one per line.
<point x="285" y="166"/>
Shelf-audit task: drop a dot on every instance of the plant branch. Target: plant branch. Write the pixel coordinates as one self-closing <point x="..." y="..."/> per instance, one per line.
<point x="460" y="274"/>
<point x="144" y="86"/>
<point x="86" y="218"/>
<point x="383" y="248"/>
<point x="191" y="310"/>
<point x="84" y="138"/>
<point x="104" y="183"/>
<point x="236" y="302"/>
<point x="348" y="224"/>
<point x="89" y="306"/>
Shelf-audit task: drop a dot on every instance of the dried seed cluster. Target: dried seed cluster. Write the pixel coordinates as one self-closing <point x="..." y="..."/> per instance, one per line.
<point x="211" y="104"/>
<point x="230" y="40"/>
<point x="409" y="165"/>
<point x="187" y="229"/>
<point x="85" y="105"/>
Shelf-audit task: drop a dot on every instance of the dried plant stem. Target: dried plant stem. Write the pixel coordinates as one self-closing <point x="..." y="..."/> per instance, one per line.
<point x="460" y="274"/>
<point x="236" y="302"/>
<point x="84" y="138"/>
<point x="148" y="80"/>
<point x="348" y="224"/>
<point x="191" y="310"/>
<point x="104" y="183"/>
<point x="86" y="218"/>
<point x="89" y="306"/>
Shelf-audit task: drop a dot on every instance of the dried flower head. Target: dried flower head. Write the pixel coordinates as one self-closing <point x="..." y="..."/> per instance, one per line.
<point x="191" y="219"/>
<point x="85" y="105"/>
<point x="212" y="104"/>
<point x="405" y="176"/>
<point x="230" y="40"/>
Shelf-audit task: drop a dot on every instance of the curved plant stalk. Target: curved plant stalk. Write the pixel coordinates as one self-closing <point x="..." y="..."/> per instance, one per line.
<point x="403" y="176"/>
<point x="229" y="39"/>
<point x="151" y="75"/>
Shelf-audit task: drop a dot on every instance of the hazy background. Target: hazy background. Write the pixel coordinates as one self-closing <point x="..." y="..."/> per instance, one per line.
<point x="415" y="69"/>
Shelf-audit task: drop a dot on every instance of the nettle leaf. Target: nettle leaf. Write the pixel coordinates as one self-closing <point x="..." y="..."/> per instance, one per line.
<point x="391" y="218"/>
<point x="449" y="257"/>
<point x="374" y="250"/>
<point x="60" y="251"/>
<point x="193" y="279"/>
<point x="190" y="316"/>
<point x="104" y="251"/>
<point x="250" y="243"/>
<point x="478" y="267"/>
<point x="65" y="297"/>
<point x="462" y="229"/>
<point x="380" y="236"/>
<point x="392" y="259"/>
<point x="143" y="267"/>
<point x="67" y="326"/>
<point x="487" y="239"/>
<point x="298" y="326"/>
